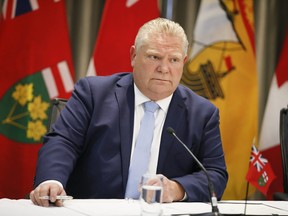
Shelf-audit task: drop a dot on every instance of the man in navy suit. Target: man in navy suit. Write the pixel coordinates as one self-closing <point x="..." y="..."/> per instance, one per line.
<point x="88" y="153"/>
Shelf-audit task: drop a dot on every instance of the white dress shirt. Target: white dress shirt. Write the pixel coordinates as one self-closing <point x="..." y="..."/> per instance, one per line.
<point x="160" y="116"/>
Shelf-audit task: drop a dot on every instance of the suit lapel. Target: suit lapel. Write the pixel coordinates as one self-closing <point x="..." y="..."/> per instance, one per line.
<point x="175" y="115"/>
<point x="124" y="93"/>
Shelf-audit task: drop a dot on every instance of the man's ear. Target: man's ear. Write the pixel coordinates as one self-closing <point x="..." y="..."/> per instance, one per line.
<point x="185" y="59"/>
<point x="132" y="54"/>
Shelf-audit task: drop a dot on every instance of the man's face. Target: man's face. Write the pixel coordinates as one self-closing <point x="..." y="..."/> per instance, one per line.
<point x="158" y="66"/>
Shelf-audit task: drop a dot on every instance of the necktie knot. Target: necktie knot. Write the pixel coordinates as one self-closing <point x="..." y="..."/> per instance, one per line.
<point x="150" y="106"/>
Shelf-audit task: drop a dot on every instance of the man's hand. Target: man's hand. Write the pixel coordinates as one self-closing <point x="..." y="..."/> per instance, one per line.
<point x="172" y="191"/>
<point x="50" y="189"/>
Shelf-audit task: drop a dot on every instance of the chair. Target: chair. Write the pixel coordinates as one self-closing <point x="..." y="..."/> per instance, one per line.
<point x="284" y="153"/>
<point x="57" y="104"/>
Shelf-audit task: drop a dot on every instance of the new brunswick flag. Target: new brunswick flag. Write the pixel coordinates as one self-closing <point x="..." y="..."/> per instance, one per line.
<point x="35" y="66"/>
<point x="222" y="68"/>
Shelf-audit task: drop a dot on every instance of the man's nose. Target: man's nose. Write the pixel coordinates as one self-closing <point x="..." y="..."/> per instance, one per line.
<point x="163" y="66"/>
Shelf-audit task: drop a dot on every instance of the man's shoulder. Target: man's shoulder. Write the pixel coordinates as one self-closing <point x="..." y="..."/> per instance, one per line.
<point x="105" y="80"/>
<point x="192" y="98"/>
<point x="189" y="93"/>
<point x="115" y="76"/>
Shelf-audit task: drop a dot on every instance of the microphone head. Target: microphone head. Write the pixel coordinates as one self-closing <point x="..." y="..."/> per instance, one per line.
<point x="170" y="130"/>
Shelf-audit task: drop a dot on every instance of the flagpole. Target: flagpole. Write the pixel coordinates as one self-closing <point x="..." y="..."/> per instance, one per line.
<point x="246" y="197"/>
<point x="167" y="9"/>
<point x="247" y="185"/>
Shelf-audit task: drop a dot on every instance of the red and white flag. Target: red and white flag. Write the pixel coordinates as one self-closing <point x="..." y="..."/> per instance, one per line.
<point x="260" y="173"/>
<point x="36" y="66"/>
<point x="269" y="142"/>
<point x="121" y="20"/>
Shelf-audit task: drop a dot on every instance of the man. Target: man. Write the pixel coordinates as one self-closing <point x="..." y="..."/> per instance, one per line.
<point x="89" y="153"/>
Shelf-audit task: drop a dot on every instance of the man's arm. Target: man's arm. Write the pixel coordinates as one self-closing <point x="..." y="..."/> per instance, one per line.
<point x="211" y="155"/>
<point x="198" y="127"/>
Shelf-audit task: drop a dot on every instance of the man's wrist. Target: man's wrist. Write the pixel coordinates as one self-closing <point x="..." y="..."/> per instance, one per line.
<point x="179" y="192"/>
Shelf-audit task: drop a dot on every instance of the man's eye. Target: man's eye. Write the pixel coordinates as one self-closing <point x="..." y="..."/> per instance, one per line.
<point x="153" y="57"/>
<point x="174" y="60"/>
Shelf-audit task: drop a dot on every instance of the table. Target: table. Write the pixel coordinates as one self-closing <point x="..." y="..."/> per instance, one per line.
<point x="121" y="207"/>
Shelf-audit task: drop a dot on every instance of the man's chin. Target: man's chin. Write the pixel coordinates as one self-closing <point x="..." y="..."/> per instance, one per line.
<point x="160" y="92"/>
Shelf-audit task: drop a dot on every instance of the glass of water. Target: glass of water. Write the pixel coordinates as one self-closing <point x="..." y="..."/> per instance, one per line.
<point x="151" y="195"/>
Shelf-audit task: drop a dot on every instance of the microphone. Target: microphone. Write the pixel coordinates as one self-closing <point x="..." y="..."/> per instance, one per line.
<point x="215" y="210"/>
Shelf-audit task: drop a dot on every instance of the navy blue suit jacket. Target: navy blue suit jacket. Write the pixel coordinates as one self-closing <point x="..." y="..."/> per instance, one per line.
<point x="89" y="150"/>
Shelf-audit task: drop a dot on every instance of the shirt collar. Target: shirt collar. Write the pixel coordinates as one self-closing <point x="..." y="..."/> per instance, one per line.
<point x="141" y="98"/>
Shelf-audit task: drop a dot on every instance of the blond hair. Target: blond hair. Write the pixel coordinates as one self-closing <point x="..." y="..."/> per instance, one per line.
<point x="162" y="26"/>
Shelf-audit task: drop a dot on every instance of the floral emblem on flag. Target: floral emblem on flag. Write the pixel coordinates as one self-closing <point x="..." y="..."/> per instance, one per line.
<point x="24" y="110"/>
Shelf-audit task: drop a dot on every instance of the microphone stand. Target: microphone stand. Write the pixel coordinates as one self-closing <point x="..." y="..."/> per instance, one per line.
<point x="213" y="198"/>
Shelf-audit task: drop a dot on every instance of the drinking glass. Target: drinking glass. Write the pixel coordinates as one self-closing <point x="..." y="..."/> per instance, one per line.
<point x="151" y="195"/>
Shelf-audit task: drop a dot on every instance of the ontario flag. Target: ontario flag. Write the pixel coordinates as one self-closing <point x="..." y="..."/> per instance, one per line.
<point x="269" y="142"/>
<point x="35" y="66"/>
<point x="260" y="173"/>
<point x="121" y="20"/>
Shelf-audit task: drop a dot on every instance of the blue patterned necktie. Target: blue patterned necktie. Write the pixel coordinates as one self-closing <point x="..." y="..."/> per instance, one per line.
<point x="141" y="155"/>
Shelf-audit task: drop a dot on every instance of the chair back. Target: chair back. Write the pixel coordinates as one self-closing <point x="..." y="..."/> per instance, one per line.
<point x="57" y="104"/>
<point x="284" y="145"/>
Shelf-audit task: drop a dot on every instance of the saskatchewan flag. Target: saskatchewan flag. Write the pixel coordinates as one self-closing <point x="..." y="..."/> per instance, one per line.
<point x="36" y="66"/>
<point x="222" y="68"/>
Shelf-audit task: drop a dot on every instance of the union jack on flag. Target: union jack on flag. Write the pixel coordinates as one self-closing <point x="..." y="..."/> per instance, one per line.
<point x="257" y="159"/>
<point x="14" y="8"/>
<point x="260" y="173"/>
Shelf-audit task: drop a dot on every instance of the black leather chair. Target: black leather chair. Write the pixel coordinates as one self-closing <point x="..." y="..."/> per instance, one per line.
<point x="57" y="105"/>
<point x="284" y="153"/>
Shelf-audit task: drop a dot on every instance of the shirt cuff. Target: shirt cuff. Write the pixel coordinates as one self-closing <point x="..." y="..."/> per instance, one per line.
<point x="184" y="198"/>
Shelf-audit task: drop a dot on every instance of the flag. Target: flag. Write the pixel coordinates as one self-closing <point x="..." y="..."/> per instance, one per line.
<point x="36" y="66"/>
<point x="222" y="68"/>
<point x="121" y="20"/>
<point x="269" y="142"/>
<point x="260" y="173"/>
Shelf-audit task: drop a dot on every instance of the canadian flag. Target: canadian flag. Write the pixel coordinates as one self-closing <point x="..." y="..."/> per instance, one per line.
<point x="269" y="142"/>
